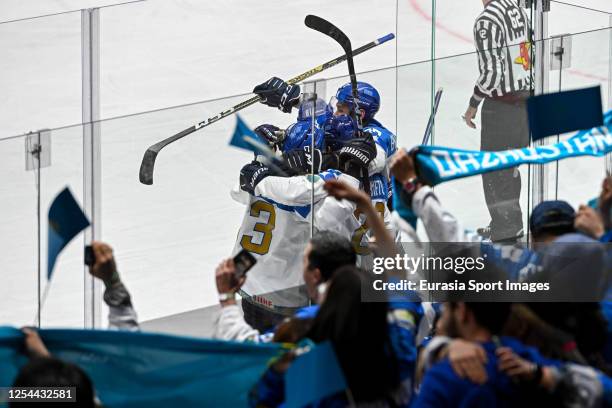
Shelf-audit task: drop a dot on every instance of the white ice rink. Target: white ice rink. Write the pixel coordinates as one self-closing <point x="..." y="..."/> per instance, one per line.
<point x="157" y="54"/>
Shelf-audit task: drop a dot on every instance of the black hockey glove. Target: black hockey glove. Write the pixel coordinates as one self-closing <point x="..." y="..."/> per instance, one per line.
<point x="251" y="174"/>
<point x="355" y="156"/>
<point x="271" y="134"/>
<point x="330" y="161"/>
<point x="300" y="161"/>
<point x="277" y="93"/>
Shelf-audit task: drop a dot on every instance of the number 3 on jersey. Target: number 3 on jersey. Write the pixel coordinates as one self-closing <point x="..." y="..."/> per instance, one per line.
<point x="259" y="209"/>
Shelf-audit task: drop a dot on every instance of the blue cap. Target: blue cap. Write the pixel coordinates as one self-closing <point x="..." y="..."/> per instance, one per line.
<point x="552" y="214"/>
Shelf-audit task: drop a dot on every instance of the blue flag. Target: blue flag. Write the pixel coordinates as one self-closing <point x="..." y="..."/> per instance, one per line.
<point x="563" y="112"/>
<point x="439" y="164"/>
<point x="66" y="220"/>
<point x="135" y="369"/>
<point x="245" y="138"/>
<point x="314" y="376"/>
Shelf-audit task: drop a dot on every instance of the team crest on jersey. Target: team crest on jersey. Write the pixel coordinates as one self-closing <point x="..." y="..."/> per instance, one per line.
<point x="524" y="58"/>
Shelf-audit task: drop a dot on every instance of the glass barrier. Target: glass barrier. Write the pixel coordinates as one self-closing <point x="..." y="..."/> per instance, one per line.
<point x="65" y="301"/>
<point x="567" y="17"/>
<point x="169" y="237"/>
<point x="145" y="67"/>
<point x="477" y="201"/>
<point x="579" y="180"/>
<point x="40" y="78"/>
<point x="40" y="73"/>
<point x="64" y="304"/>
<point x="18" y="235"/>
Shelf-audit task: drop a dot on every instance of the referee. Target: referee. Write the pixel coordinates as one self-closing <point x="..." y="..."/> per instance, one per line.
<point x="503" y="42"/>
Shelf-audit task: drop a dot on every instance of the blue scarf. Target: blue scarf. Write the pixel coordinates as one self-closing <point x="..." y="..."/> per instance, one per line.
<point x="436" y="165"/>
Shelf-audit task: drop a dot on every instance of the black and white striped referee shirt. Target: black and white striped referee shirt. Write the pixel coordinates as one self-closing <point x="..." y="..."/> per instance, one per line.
<point x="503" y="42"/>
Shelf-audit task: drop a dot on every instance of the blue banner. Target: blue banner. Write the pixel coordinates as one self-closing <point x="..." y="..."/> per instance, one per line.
<point x="564" y="112"/>
<point x="313" y="376"/>
<point x="439" y="164"/>
<point x="149" y="370"/>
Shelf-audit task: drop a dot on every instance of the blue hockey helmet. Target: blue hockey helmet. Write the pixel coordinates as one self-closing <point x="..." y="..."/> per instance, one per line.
<point x="322" y="109"/>
<point x="298" y="136"/>
<point x="338" y="130"/>
<point x="368" y="98"/>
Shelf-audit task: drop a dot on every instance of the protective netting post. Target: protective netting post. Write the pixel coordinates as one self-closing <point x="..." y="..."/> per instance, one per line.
<point x="608" y="162"/>
<point x="313" y="90"/>
<point x="90" y="55"/>
<point x="539" y="173"/>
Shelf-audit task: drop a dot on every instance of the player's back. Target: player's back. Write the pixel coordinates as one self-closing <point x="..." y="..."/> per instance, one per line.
<point x="276" y="235"/>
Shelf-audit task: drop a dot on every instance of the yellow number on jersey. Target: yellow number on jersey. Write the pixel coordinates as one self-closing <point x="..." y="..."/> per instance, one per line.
<point x="265" y="228"/>
<point x="363" y="229"/>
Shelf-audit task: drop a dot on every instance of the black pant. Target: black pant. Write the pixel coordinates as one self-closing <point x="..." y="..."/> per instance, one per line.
<point x="504" y="127"/>
<point x="262" y="317"/>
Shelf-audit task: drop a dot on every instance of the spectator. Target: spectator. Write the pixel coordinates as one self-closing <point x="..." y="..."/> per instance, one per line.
<point x="326" y="252"/>
<point x="359" y="333"/>
<point x="551" y="221"/>
<point x="482" y="323"/>
<point x="44" y="370"/>
<point x="122" y="315"/>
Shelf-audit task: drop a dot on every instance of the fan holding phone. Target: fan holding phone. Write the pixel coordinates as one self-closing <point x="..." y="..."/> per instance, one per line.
<point x="229" y="283"/>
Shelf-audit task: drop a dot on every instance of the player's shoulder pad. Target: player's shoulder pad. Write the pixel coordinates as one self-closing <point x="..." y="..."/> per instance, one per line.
<point x="382" y="136"/>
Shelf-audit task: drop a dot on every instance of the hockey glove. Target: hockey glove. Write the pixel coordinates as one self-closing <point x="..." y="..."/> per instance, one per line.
<point x="271" y="134"/>
<point x="330" y="161"/>
<point x="300" y="161"/>
<point x="356" y="155"/>
<point x="277" y="93"/>
<point x="338" y="131"/>
<point x="251" y="174"/>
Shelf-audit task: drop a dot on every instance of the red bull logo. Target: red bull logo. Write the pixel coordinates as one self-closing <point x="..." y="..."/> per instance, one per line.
<point x="525" y="58"/>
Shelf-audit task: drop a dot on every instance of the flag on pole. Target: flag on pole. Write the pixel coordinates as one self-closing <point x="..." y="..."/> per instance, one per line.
<point x="245" y="138"/>
<point x="66" y="220"/>
<point x="563" y="112"/>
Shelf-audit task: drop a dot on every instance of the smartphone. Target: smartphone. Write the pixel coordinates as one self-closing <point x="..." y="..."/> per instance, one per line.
<point x="90" y="258"/>
<point x="243" y="261"/>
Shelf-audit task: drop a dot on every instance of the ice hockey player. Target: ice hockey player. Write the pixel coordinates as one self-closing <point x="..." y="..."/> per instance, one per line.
<point x="336" y="128"/>
<point x="297" y="135"/>
<point x="276" y="226"/>
<point x="340" y="129"/>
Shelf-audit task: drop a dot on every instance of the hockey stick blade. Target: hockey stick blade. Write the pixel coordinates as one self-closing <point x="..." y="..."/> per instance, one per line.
<point x="147" y="166"/>
<point x="432" y="117"/>
<point x="323" y="26"/>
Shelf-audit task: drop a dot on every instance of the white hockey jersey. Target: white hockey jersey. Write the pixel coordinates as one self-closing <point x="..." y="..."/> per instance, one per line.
<point x="276" y="230"/>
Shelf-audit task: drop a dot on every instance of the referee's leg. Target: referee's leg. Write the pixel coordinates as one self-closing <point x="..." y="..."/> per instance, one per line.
<point x="504" y="126"/>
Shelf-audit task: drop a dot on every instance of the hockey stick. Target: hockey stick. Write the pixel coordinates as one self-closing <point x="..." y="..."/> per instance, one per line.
<point x="147" y="165"/>
<point x="323" y="26"/>
<point x="432" y="117"/>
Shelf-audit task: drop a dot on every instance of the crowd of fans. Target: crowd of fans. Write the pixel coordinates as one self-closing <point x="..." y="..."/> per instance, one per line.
<point x="404" y="351"/>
